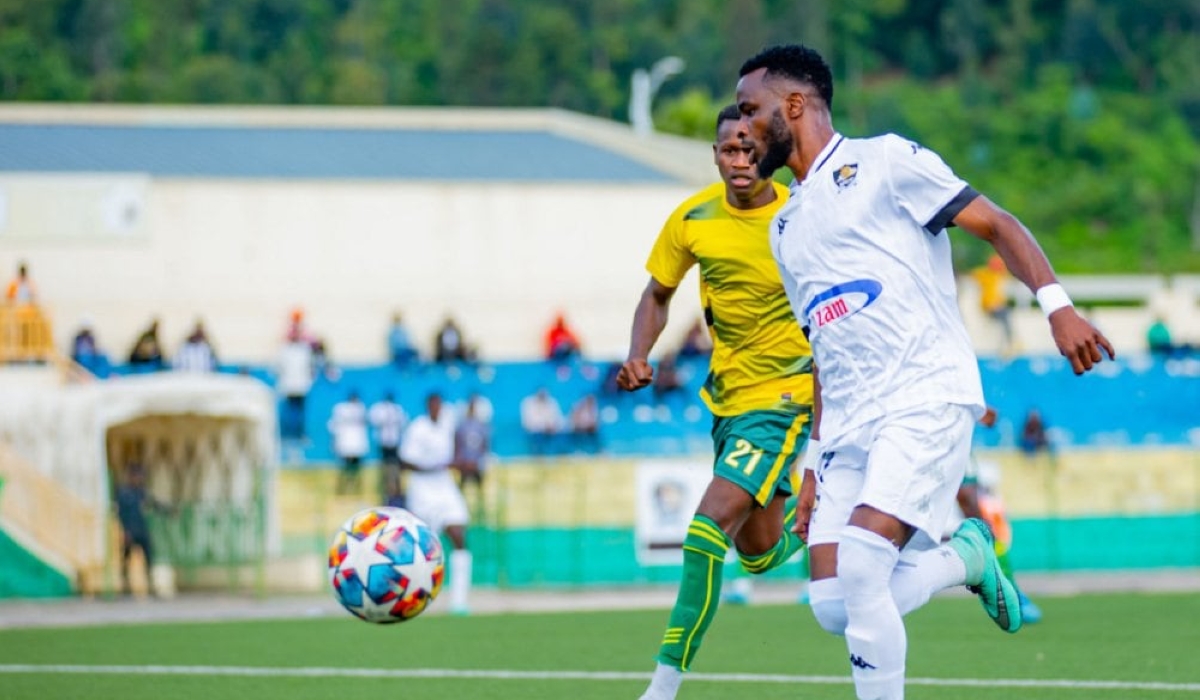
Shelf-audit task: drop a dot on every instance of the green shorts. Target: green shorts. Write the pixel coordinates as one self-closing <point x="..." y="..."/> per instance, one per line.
<point x="755" y="450"/>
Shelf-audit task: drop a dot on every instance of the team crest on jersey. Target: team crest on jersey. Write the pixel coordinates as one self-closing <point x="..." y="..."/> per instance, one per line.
<point x="845" y="176"/>
<point x="840" y="301"/>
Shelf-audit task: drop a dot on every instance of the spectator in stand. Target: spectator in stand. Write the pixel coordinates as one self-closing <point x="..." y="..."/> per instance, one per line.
<point x="449" y="345"/>
<point x="585" y="424"/>
<point x="542" y="420"/>
<point x="482" y="406"/>
<point x="1034" y="438"/>
<point x="86" y="352"/>
<point x="472" y="443"/>
<point x="1161" y="343"/>
<point x="21" y="290"/>
<point x="321" y="361"/>
<point x="146" y="355"/>
<point x="196" y="354"/>
<point x="296" y="327"/>
<point x="561" y="342"/>
<point x="22" y="296"/>
<point x="667" y="382"/>
<point x="389" y="421"/>
<point x="294" y="379"/>
<point x="400" y="345"/>
<point x="696" y="342"/>
<point x="348" y="425"/>
<point x="993" y="279"/>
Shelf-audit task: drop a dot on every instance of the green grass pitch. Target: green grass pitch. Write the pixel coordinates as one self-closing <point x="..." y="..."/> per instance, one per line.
<point x="1147" y="644"/>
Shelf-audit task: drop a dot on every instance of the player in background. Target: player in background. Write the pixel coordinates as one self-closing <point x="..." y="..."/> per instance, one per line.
<point x="979" y="500"/>
<point x="865" y="259"/>
<point x="759" y="387"/>
<point x="427" y="451"/>
<point x="388" y="418"/>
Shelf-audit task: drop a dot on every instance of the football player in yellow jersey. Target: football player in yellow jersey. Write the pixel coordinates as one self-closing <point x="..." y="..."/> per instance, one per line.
<point x="759" y="387"/>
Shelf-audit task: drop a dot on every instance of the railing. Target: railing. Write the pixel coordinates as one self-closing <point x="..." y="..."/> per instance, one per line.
<point x="24" y="334"/>
<point x="54" y="519"/>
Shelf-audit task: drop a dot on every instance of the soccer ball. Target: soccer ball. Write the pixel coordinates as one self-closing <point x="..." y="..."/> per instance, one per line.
<point x="386" y="565"/>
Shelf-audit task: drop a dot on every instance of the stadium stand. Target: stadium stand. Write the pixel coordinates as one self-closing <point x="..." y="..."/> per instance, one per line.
<point x="1134" y="401"/>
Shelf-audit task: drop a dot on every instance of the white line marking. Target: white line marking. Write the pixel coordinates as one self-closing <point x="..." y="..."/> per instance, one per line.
<point x="319" y="672"/>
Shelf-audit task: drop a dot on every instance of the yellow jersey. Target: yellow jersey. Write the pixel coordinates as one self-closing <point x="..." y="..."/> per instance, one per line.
<point x="760" y="359"/>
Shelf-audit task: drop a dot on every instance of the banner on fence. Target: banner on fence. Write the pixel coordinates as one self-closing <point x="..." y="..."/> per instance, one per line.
<point x="667" y="493"/>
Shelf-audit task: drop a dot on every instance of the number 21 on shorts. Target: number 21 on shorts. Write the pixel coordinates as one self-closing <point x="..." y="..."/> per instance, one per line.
<point x="743" y="448"/>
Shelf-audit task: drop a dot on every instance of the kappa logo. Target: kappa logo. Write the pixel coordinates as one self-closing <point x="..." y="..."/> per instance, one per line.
<point x="845" y="176"/>
<point x="780" y="224"/>
<point x="840" y="301"/>
<point x="859" y="662"/>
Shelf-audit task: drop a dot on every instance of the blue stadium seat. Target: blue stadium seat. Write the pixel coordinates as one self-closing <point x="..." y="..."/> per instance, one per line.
<point x="1131" y="401"/>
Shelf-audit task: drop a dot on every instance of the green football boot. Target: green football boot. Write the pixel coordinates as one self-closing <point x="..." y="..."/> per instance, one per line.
<point x="976" y="545"/>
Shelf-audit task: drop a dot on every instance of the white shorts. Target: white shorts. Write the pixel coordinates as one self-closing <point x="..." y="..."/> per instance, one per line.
<point x="436" y="499"/>
<point x="907" y="464"/>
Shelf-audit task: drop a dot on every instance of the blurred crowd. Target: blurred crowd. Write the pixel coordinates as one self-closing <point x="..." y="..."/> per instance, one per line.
<point x="303" y="359"/>
<point x="555" y="420"/>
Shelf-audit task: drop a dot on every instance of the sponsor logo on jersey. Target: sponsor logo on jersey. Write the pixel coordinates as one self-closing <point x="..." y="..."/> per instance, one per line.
<point x="845" y="176"/>
<point x="840" y="301"/>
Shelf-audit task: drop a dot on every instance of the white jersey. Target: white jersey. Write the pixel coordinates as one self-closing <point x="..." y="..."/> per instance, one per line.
<point x="427" y="445"/>
<point x="389" y="420"/>
<point x="296" y="369"/>
<point x="349" y="427"/>
<point x="195" y="357"/>
<point x="866" y="265"/>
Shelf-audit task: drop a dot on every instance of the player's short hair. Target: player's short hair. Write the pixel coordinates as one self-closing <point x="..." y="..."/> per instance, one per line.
<point x="797" y="62"/>
<point x="727" y="113"/>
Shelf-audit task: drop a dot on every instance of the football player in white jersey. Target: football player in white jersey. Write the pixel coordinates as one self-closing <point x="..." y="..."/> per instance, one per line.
<point x="865" y="258"/>
<point x="427" y="450"/>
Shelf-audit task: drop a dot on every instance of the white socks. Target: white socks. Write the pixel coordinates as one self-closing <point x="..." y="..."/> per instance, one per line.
<point x="913" y="581"/>
<point x="875" y="632"/>
<point x="828" y="605"/>
<point x="918" y="577"/>
<point x="460" y="580"/>
<point x="665" y="683"/>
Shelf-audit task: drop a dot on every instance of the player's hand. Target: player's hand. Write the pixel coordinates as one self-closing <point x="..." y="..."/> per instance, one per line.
<point x="804" y="504"/>
<point x="635" y="374"/>
<point x="1078" y="340"/>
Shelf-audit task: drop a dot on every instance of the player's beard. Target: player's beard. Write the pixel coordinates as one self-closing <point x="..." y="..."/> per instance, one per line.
<point x="779" y="146"/>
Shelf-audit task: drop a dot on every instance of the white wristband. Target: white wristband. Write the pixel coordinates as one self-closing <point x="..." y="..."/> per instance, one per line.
<point x="812" y="455"/>
<point x="1052" y="297"/>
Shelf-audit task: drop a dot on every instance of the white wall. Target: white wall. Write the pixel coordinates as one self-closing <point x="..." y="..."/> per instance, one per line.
<point x="241" y="253"/>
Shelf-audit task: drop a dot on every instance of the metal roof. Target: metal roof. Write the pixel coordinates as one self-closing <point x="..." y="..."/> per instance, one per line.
<point x="315" y="152"/>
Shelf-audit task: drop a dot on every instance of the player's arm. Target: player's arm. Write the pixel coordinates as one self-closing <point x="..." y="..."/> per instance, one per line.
<point x="1077" y="340"/>
<point x="807" y="498"/>
<point x="649" y="320"/>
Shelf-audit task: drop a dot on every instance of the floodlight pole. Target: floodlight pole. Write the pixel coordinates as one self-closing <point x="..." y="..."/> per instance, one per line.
<point x="644" y="86"/>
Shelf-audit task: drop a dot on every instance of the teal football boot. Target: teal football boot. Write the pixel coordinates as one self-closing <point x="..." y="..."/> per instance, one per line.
<point x="976" y="545"/>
